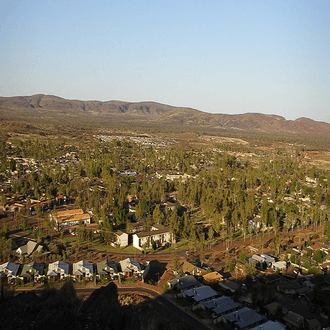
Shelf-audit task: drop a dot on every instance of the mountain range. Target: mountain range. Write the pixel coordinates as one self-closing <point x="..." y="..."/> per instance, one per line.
<point x="53" y="110"/>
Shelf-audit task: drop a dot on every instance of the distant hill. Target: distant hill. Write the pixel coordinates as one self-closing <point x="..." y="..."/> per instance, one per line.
<point x="53" y="110"/>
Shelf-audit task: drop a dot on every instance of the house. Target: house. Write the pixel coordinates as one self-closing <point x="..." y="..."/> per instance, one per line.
<point x="220" y="306"/>
<point x="33" y="272"/>
<point x="130" y="267"/>
<point x="107" y="269"/>
<point x="213" y="277"/>
<point x="243" y="318"/>
<point x="83" y="269"/>
<point x="270" y="325"/>
<point x="191" y="269"/>
<point x="258" y="261"/>
<point x="268" y="259"/>
<point x="68" y="218"/>
<point x="288" y="287"/>
<point x="11" y="270"/>
<point x="200" y="294"/>
<point x="28" y="248"/>
<point x="187" y="282"/>
<point x="229" y="286"/>
<point x="145" y="238"/>
<point x="275" y="310"/>
<point x="58" y="270"/>
<point x="121" y="238"/>
<point x="279" y="266"/>
<point x="314" y="324"/>
<point x="136" y="227"/>
<point x="293" y="320"/>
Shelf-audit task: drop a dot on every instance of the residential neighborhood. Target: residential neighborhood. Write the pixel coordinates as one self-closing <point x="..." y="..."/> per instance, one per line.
<point x="227" y="231"/>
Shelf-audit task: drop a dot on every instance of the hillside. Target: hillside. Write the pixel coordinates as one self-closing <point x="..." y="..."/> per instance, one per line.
<point x="53" y="110"/>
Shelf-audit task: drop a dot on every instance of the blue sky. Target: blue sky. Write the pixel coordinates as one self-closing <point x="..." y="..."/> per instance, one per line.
<point x="267" y="56"/>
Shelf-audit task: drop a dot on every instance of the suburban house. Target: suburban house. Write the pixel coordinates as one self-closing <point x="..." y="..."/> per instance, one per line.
<point x="270" y="325"/>
<point x="69" y="218"/>
<point x="274" y="308"/>
<point x="258" y="261"/>
<point x="107" y="269"/>
<point x="280" y="266"/>
<point x="293" y="320"/>
<point x="288" y="287"/>
<point x="268" y="259"/>
<point x="220" y="306"/>
<point x="121" y="239"/>
<point x="136" y="227"/>
<point x="11" y="270"/>
<point x="213" y="277"/>
<point x="83" y="269"/>
<point x="28" y="248"/>
<point x="145" y="238"/>
<point x="243" y="318"/>
<point x="33" y="272"/>
<point x="130" y="267"/>
<point x="200" y="294"/>
<point x="229" y="286"/>
<point x="187" y="282"/>
<point x="58" y="270"/>
<point x="191" y="269"/>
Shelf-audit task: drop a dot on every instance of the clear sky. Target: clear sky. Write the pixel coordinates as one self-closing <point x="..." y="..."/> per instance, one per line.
<point x="267" y="56"/>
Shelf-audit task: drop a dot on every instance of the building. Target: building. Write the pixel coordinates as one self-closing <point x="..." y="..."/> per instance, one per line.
<point x="121" y="239"/>
<point x="130" y="267"/>
<point x="83" y="269"/>
<point x="200" y="294"/>
<point x="279" y="266"/>
<point x="69" y="218"/>
<point x="270" y="325"/>
<point x="28" y="248"/>
<point x="191" y="269"/>
<point x="58" y="270"/>
<point x="213" y="277"/>
<point x="145" y="238"/>
<point x="288" y="287"/>
<point x="33" y="272"/>
<point x="293" y="320"/>
<point x="220" y="306"/>
<point x="268" y="259"/>
<point x="187" y="282"/>
<point x="243" y="318"/>
<point x="11" y="270"/>
<point x="107" y="269"/>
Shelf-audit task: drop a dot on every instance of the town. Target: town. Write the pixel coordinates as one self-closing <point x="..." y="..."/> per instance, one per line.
<point x="237" y="234"/>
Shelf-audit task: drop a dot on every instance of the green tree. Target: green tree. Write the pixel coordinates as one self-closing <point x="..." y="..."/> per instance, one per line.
<point x="242" y="258"/>
<point x="158" y="215"/>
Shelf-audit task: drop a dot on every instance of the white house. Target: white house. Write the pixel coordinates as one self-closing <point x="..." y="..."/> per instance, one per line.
<point x="130" y="266"/>
<point x="121" y="239"/>
<point x="58" y="270"/>
<point x="11" y="270"/>
<point x="145" y="238"/>
<point x="28" y="248"/>
<point x="83" y="269"/>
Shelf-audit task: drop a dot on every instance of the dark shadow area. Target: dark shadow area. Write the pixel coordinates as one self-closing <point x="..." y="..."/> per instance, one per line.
<point x="63" y="309"/>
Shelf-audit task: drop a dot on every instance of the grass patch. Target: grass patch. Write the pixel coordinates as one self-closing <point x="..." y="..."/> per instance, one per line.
<point x="128" y="280"/>
<point x="130" y="249"/>
<point x="69" y="239"/>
